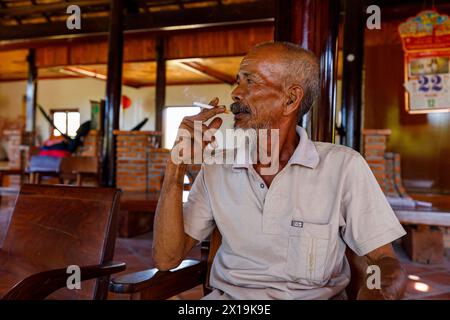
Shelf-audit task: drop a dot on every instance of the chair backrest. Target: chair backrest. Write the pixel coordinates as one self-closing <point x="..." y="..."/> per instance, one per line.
<point x="79" y="164"/>
<point x="57" y="226"/>
<point x="358" y="264"/>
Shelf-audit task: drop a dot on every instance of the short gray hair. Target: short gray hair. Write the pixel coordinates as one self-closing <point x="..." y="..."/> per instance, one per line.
<point x="303" y="68"/>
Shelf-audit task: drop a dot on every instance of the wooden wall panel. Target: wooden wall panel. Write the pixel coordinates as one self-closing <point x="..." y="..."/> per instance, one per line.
<point x="387" y="35"/>
<point x="213" y="43"/>
<point x="232" y="41"/>
<point x="89" y="53"/>
<point x="52" y="56"/>
<point x="422" y="140"/>
<point x="139" y="49"/>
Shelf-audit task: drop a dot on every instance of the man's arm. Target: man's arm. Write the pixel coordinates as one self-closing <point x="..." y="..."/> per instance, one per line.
<point x="170" y="242"/>
<point x="393" y="276"/>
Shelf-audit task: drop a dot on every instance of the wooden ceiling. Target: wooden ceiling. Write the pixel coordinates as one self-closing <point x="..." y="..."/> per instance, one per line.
<point x="136" y="74"/>
<point x="20" y="12"/>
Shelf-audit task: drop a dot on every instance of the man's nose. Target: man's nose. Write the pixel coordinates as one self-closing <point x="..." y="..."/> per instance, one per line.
<point x="236" y="94"/>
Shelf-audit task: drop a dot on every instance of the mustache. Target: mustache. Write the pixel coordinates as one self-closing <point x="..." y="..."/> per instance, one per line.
<point x="238" y="107"/>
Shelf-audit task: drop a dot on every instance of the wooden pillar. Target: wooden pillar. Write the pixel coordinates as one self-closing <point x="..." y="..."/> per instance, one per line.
<point x="354" y="25"/>
<point x="113" y="93"/>
<point x="160" y="94"/>
<point x="31" y="98"/>
<point x="314" y="24"/>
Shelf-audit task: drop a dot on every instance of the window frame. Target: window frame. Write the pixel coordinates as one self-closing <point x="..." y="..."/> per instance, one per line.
<point x="66" y="111"/>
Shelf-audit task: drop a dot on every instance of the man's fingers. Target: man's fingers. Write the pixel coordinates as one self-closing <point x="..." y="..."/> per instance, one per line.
<point x="209" y="113"/>
<point x="215" y="123"/>
<point x="214" y="102"/>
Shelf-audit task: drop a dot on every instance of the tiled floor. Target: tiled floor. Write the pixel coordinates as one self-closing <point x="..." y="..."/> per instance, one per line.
<point x="426" y="282"/>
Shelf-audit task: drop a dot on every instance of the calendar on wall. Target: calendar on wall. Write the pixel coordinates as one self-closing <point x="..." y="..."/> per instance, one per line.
<point x="426" y="45"/>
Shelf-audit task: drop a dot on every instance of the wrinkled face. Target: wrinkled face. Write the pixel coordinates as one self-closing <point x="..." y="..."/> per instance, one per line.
<point x="259" y="97"/>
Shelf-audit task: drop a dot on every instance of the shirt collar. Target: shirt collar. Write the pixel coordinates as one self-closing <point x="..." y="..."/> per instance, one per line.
<point x="305" y="154"/>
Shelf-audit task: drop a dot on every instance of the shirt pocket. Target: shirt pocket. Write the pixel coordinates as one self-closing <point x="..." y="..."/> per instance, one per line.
<point x="307" y="253"/>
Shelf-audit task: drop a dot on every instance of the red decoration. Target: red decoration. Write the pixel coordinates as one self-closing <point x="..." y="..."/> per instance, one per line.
<point x="126" y="102"/>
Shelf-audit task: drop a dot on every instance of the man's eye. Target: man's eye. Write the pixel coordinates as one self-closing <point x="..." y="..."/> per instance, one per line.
<point x="249" y="81"/>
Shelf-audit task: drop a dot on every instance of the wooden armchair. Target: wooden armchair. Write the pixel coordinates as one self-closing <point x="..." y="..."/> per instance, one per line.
<point x="157" y="285"/>
<point x="53" y="227"/>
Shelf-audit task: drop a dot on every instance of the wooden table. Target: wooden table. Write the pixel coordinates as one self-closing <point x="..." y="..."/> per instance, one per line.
<point x="424" y="241"/>
<point x="137" y="211"/>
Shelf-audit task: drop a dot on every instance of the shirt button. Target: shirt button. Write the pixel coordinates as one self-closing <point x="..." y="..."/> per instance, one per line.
<point x="262" y="185"/>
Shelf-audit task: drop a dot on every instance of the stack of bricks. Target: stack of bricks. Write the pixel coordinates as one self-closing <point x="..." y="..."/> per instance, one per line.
<point x="134" y="150"/>
<point x="374" y="153"/>
<point x="140" y="165"/>
<point x="156" y="166"/>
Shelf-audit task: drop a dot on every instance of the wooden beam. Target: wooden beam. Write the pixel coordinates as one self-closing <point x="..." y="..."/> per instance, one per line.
<point x="210" y="72"/>
<point x="354" y="25"/>
<point x="31" y="99"/>
<point x="113" y="93"/>
<point x="224" y="15"/>
<point x="91" y="74"/>
<point x="60" y="7"/>
<point x="160" y="94"/>
<point x="284" y="21"/>
<point x="45" y="14"/>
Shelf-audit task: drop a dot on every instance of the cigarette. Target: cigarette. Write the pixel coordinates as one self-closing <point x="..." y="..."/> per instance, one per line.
<point x="205" y="106"/>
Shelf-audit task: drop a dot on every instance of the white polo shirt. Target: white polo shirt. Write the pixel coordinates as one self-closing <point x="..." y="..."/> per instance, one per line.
<point x="288" y="241"/>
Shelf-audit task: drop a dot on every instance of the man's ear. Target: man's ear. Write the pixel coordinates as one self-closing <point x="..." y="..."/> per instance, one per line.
<point x="294" y="98"/>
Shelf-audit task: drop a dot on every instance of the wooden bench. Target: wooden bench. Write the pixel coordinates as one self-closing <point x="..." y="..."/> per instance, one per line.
<point x="424" y="241"/>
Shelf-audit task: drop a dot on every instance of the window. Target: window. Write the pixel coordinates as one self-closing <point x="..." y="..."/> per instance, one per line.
<point x="172" y="119"/>
<point x="67" y="121"/>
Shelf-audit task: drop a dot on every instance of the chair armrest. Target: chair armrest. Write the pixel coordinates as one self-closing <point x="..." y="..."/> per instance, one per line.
<point x="153" y="284"/>
<point x="40" y="285"/>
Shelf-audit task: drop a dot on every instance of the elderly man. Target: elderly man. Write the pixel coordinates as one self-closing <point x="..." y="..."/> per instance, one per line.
<point x="284" y="234"/>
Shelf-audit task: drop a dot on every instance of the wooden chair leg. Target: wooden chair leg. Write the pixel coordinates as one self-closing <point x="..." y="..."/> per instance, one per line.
<point x="32" y="178"/>
<point x="79" y="180"/>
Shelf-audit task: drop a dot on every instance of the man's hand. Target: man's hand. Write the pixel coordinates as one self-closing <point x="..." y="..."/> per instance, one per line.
<point x="190" y="134"/>
<point x="393" y="276"/>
